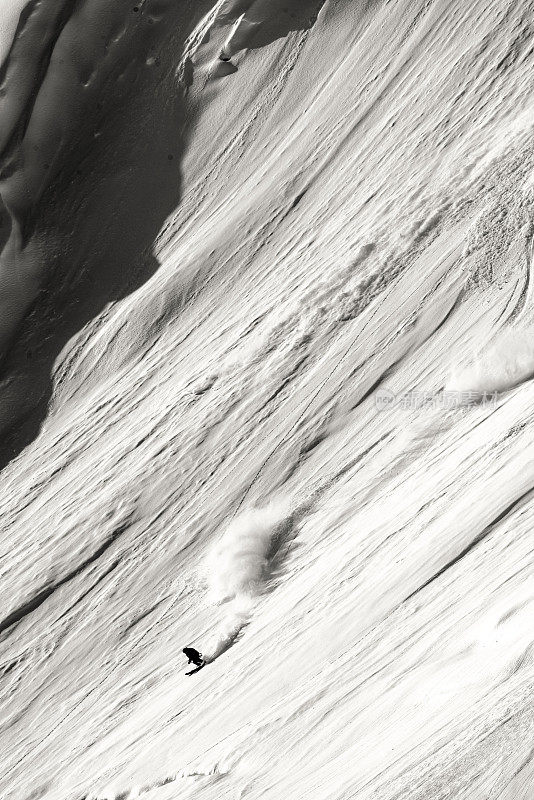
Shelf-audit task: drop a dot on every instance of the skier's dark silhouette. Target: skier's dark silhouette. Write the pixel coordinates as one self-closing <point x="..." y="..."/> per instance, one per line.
<point x="194" y="656"/>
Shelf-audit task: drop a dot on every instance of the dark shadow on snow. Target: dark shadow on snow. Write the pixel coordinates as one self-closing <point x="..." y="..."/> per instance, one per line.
<point x="98" y="220"/>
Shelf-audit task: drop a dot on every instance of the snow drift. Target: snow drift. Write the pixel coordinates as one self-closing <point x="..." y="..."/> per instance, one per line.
<point x="505" y="363"/>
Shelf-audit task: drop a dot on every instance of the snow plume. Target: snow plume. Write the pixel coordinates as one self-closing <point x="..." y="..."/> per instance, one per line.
<point x="240" y="565"/>
<point x="505" y="364"/>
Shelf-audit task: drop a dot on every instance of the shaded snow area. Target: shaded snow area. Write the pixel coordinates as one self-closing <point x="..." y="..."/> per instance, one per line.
<point x="266" y="390"/>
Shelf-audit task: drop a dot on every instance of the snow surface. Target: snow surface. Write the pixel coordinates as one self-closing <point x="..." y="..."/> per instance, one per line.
<point x="8" y="23"/>
<point x="267" y="392"/>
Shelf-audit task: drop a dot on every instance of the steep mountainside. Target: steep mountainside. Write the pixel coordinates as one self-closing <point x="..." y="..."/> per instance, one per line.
<point x="266" y="328"/>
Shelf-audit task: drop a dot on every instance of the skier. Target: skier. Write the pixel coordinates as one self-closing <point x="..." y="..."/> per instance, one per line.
<point x="194" y="658"/>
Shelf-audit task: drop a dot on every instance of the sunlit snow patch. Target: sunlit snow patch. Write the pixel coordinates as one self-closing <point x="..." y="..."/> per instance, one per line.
<point x="506" y="363"/>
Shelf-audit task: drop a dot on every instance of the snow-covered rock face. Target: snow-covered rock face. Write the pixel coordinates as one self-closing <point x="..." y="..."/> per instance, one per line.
<point x="266" y="316"/>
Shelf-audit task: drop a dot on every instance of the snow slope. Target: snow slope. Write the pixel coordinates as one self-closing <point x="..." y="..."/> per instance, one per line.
<point x="8" y="24"/>
<point x="267" y="392"/>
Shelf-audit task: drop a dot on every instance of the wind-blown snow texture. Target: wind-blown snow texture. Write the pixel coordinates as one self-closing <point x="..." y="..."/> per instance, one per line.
<point x="279" y="309"/>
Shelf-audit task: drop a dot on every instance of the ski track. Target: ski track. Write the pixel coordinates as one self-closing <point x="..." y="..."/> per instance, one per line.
<point x="224" y="284"/>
